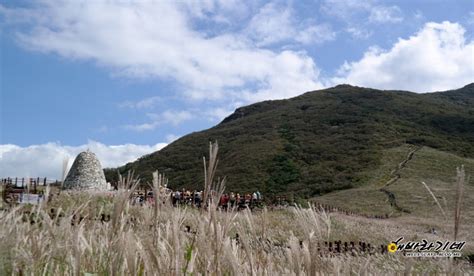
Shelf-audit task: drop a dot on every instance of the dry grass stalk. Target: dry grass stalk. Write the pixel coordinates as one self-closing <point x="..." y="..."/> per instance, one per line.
<point x="126" y="187"/>
<point x="142" y="241"/>
<point x="212" y="190"/>
<point x="435" y="199"/>
<point x="55" y="247"/>
<point x="64" y="170"/>
<point x="460" y="182"/>
<point x="130" y="182"/>
<point x="312" y="219"/>
<point x="158" y="186"/>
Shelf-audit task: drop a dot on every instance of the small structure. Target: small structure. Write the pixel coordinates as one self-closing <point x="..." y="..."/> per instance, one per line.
<point x="24" y="190"/>
<point x="86" y="173"/>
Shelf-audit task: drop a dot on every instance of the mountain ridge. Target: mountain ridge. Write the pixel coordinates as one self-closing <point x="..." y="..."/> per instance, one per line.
<point x="317" y="142"/>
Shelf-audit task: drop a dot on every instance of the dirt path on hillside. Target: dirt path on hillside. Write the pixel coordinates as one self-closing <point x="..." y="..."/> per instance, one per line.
<point x="395" y="177"/>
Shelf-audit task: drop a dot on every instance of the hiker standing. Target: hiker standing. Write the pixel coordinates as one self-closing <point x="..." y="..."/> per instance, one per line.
<point x="232" y="199"/>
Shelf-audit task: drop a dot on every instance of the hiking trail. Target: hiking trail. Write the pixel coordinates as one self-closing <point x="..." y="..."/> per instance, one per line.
<point x="395" y="177"/>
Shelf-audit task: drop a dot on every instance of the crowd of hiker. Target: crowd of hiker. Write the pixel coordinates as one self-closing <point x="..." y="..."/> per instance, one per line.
<point x="195" y="198"/>
<point x="241" y="201"/>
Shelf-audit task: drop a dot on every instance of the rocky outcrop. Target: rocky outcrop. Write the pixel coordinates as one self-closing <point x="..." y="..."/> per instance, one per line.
<point x="86" y="173"/>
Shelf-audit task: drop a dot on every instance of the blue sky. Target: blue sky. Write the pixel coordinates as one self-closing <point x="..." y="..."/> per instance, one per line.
<point x="124" y="78"/>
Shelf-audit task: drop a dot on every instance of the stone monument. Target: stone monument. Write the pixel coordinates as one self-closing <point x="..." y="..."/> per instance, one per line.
<point x="86" y="173"/>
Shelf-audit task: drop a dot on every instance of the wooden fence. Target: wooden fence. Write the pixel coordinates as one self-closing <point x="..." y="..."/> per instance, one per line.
<point x="31" y="181"/>
<point x="329" y="208"/>
<point x="324" y="248"/>
<point x="13" y="188"/>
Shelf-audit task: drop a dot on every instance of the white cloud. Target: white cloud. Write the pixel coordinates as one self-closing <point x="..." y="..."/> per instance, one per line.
<point x="175" y="117"/>
<point x="218" y="114"/>
<point x="384" y="14"/>
<point x="220" y="11"/>
<point x="470" y="18"/>
<point x="211" y="113"/>
<point x="46" y="160"/>
<point x="172" y="137"/>
<point x="142" y="104"/>
<point x="167" y="117"/>
<point x="271" y="24"/>
<point x="276" y="23"/>
<point x="358" y="15"/>
<point x="436" y="58"/>
<point x="143" y="126"/>
<point x="157" y="39"/>
<point x="352" y="10"/>
<point x="359" y="33"/>
<point x="418" y="15"/>
<point x="345" y="9"/>
<point x="316" y="34"/>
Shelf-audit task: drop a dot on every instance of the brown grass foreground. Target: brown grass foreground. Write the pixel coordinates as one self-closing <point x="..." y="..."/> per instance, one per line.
<point x="164" y="240"/>
<point x="143" y="240"/>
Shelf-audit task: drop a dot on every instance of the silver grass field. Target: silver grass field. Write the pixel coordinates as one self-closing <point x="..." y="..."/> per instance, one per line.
<point x="159" y="239"/>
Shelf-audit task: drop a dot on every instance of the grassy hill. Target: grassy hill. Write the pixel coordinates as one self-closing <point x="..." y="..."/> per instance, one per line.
<point x="436" y="168"/>
<point x="321" y="141"/>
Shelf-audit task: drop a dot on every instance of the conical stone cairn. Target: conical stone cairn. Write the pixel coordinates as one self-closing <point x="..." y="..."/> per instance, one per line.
<point x="86" y="173"/>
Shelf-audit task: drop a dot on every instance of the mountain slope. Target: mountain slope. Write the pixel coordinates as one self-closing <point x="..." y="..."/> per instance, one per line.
<point x="318" y="142"/>
<point x="436" y="168"/>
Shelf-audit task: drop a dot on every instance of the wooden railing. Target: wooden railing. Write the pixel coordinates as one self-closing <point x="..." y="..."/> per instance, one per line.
<point x="31" y="181"/>
<point x="329" y="208"/>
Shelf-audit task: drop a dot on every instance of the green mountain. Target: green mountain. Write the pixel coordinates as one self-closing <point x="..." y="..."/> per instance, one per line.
<point x="318" y="142"/>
